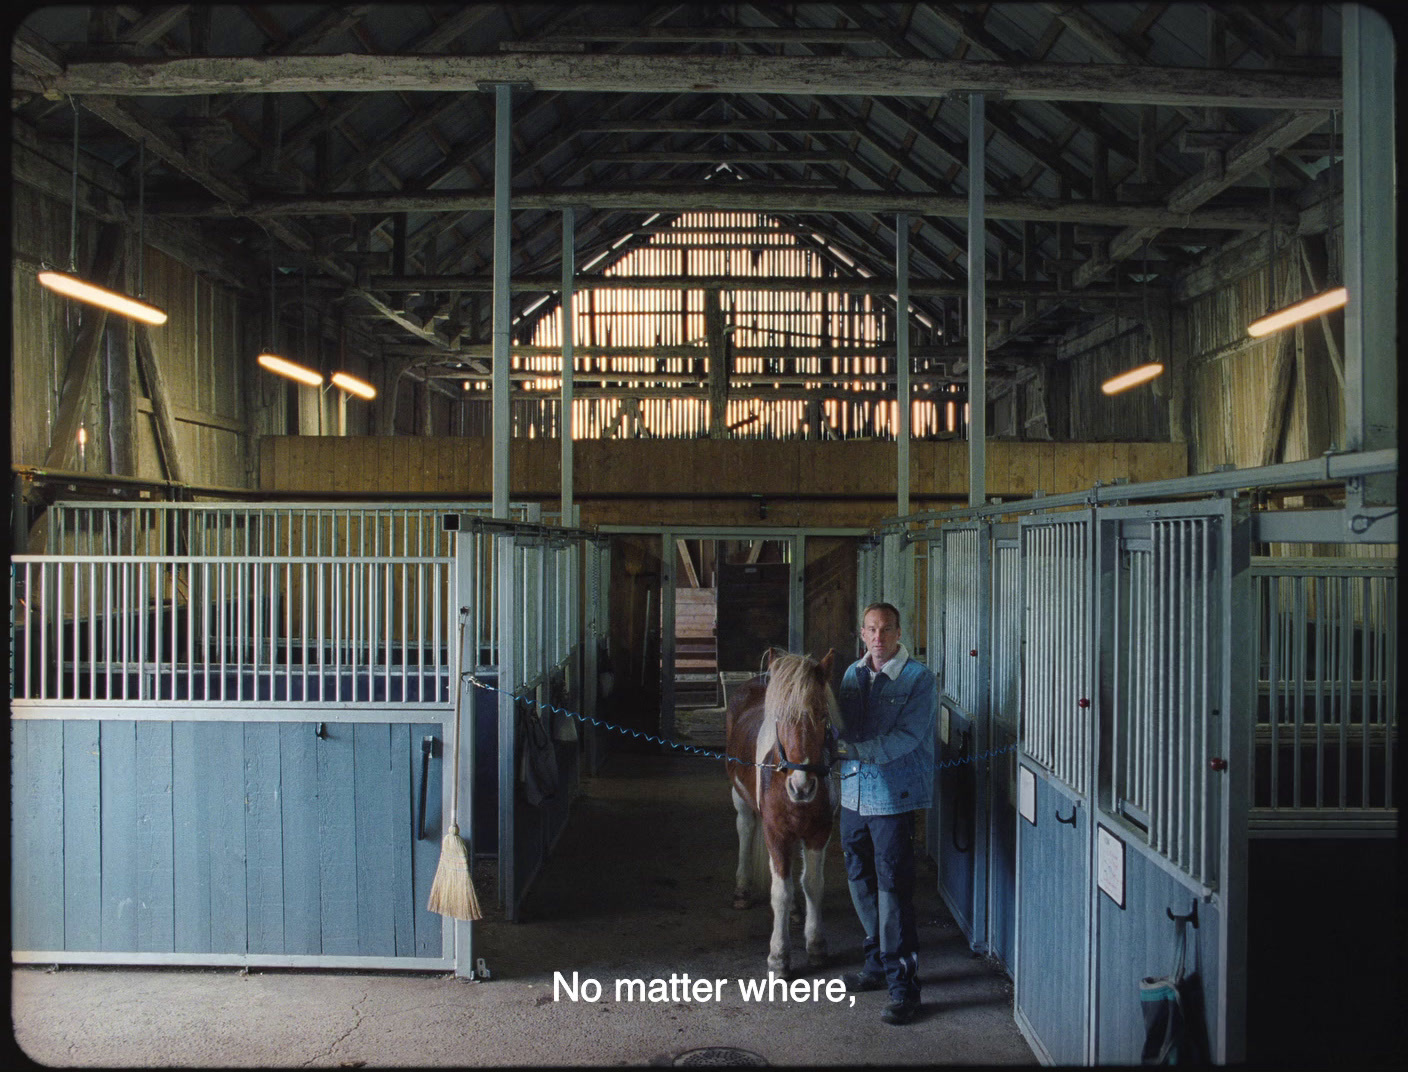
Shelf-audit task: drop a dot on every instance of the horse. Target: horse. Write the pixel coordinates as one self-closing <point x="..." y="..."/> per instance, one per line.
<point x="782" y="723"/>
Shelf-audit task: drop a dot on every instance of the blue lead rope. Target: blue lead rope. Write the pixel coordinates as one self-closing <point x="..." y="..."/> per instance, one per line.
<point x="707" y="753"/>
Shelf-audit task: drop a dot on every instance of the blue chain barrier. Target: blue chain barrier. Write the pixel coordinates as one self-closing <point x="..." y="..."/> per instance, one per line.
<point x="707" y="753"/>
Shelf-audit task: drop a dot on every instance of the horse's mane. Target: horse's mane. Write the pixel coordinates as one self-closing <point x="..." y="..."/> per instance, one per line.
<point x="794" y="691"/>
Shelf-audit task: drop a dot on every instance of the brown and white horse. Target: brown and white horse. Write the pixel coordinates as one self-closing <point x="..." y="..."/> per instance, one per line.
<point x="783" y="725"/>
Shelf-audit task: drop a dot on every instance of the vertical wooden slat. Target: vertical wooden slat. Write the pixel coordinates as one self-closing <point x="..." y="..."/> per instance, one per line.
<point x="39" y="879"/>
<point x="337" y="846"/>
<point x="374" y="840"/>
<point x="117" y="787"/>
<point x="156" y="909"/>
<point x="425" y="855"/>
<point x="298" y="796"/>
<point x="404" y="759"/>
<point x="191" y="841"/>
<point x="264" y="870"/>
<point x="225" y="788"/>
<point x="82" y="835"/>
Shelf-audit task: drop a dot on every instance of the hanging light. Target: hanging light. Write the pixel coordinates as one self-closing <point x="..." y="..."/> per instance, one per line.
<point x="270" y="360"/>
<point x="71" y="285"/>
<point x="353" y="386"/>
<point x="1140" y="373"/>
<point x="1316" y="305"/>
<point x="1132" y="378"/>
<point x="292" y="369"/>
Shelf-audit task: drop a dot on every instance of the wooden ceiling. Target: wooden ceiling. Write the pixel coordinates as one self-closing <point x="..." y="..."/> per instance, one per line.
<point x="356" y="143"/>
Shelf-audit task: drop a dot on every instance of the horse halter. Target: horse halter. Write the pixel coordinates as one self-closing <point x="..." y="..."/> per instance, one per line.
<point x="820" y="770"/>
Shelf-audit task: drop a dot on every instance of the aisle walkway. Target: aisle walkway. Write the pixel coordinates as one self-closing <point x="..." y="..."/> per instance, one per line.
<point x="639" y="888"/>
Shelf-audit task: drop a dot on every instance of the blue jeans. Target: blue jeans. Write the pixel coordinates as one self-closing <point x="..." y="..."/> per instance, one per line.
<point x="879" y="852"/>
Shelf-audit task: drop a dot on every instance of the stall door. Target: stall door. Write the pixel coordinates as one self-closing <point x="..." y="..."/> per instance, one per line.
<point x="960" y="843"/>
<point x="220" y="842"/>
<point x="1053" y="866"/>
<point x="1171" y="807"/>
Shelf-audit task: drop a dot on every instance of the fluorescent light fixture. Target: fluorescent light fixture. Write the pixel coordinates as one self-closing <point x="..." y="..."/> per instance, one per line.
<point x="1323" y="302"/>
<point x="73" y="287"/>
<point x="353" y="386"/>
<point x="292" y="370"/>
<point x="1133" y="378"/>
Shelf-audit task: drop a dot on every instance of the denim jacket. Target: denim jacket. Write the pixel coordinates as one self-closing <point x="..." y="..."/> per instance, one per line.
<point x="889" y="738"/>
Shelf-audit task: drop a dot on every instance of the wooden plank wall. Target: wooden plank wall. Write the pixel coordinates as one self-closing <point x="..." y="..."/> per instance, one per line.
<point x="704" y="481"/>
<point x="204" y="350"/>
<point x="222" y="837"/>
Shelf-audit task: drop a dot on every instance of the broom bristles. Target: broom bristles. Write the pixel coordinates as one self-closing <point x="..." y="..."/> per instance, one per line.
<point x="452" y="893"/>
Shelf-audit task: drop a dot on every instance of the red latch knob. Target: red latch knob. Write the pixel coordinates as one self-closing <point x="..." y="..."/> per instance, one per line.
<point x="973" y="652"/>
<point x="1217" y="763"/>
<point x="1083" y="702"/>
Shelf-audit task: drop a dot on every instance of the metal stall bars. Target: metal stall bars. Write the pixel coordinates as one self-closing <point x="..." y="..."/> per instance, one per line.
<point x="220" y="760"/>
<point x="1327" y="696"/>
<point x="1171" y="805"/>
<point x="1052" y="977"/>
<point x="225" y="528"/>
<point x="531" y="576"/>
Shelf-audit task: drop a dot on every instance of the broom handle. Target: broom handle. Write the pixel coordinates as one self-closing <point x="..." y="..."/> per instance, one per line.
<point x="455" y="765"/>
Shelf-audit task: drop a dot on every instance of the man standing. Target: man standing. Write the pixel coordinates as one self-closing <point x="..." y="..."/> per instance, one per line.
<point x="888" y="705"/>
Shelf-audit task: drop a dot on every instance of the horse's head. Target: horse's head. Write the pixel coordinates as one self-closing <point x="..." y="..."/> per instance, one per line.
<point x="800" y="704"/>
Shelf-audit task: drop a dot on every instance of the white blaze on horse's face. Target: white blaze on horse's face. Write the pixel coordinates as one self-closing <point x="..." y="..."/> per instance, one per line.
<point x="803" y="742"/>
<point x="801" y="786"/>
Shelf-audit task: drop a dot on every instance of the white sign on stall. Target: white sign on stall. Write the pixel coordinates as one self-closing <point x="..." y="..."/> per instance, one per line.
<point x="1109" y="864"/>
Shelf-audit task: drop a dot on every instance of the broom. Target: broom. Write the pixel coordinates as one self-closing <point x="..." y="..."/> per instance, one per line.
<point x="452" y="893"/>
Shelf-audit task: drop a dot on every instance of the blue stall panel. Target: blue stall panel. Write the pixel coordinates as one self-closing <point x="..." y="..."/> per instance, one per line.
<point x="1053" y="884"/>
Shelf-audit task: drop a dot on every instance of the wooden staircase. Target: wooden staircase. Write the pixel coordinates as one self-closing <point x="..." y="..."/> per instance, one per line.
<point x="696" y="649"/>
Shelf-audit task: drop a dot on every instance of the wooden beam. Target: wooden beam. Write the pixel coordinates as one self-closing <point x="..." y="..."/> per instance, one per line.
<point x="1253" y="152"/>
<point x="706" y="126"/>
<point x="929" y="288"/>
<point x="687" y="560"/>
<point x="799" y="35"/>
<point x="107" y="269"/>
<point x="704" y="197"/>
<point x="163" y="415"/>
<point x="718" y="364"/>
<point x="628" y="73"/>
<point x="148" y="29"/>
<point x="716" y="156"/>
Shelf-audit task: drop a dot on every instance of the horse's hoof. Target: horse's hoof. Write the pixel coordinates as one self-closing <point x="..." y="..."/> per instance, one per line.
<point x="816" y="955"/>
<point x="777" y="965"/>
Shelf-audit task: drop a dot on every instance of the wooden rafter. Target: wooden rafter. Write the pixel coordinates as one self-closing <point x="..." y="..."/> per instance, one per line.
<point x="809" y="75"/>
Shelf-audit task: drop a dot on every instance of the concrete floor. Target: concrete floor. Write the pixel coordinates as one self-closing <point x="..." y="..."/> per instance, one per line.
<point x="638" y="888"/>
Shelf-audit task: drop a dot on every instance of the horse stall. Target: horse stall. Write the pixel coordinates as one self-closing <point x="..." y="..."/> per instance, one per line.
<point x="230" y="722"/>
<point x="1082" y="855"/>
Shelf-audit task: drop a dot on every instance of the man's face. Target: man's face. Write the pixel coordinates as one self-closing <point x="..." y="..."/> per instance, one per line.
<point x="881" y="634"/>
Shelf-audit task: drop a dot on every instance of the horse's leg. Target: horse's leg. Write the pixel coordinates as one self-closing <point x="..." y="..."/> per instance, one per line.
<point x="746" y="822"/>
<point x="813" y="883"/>
<point x="782" y="885"/>
<point x="797" y="912"/>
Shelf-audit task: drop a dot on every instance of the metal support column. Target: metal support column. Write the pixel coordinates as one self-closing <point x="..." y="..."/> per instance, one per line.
<point x="460" y="664"/>
<point x="668" y="575"/>
<point x="902" y="434"/>
<point x="1370" y="255"/>
<point x="569" y="268"/>
<point x="507" y="685"/>
<point x="977" y="307"/>
<point x="796" y="595"/>
<point x="503" y="147"/>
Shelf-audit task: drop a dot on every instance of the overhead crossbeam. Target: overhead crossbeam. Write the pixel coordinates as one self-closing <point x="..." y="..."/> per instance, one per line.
<point x="1110" y="83"/>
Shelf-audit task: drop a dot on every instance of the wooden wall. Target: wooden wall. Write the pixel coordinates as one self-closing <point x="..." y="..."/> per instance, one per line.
<point x="203" y="351"/>
<point x="704" y="481"/>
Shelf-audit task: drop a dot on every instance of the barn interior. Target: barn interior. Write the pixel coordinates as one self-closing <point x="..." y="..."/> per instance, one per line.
<point x="504" y="379"/>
